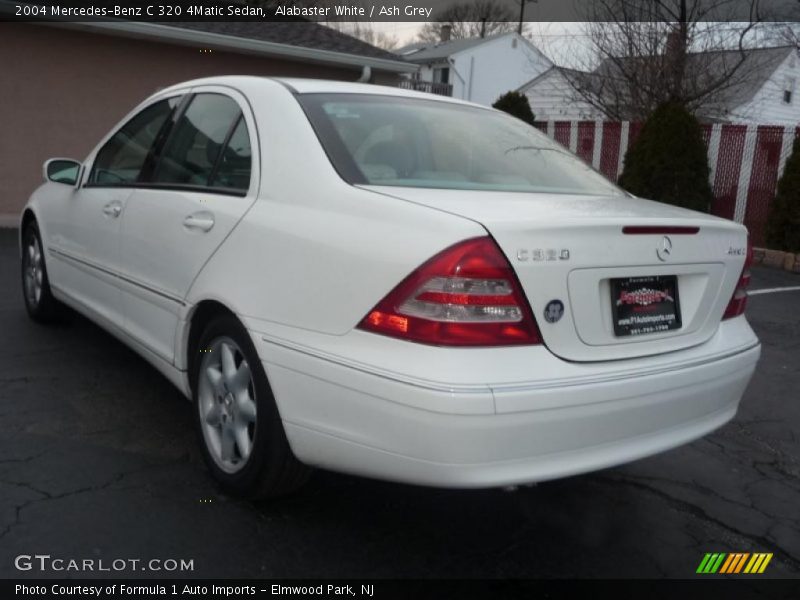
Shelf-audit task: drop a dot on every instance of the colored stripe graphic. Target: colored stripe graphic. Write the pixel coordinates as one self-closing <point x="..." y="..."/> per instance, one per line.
<point x="703" y="563"/>
<point x="765" y="563"/>
<point x="758" y="563"/>
<point x="741" y="562"/>
<point x="734" y="563"/>
<point x="711" y="562"/>
<point x="727" y="564"/>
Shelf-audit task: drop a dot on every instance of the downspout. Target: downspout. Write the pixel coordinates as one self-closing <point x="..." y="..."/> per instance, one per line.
<point x="366" y="75"/>
<point x="471" y="73"/>
<point x="452" y="64"/>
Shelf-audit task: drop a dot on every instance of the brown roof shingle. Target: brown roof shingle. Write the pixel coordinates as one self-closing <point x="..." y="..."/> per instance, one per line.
<point x="293" y="33"/>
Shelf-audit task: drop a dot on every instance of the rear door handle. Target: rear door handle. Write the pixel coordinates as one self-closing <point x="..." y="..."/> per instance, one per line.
<point x="199" y="221"/>
<point x="112" y="209"/>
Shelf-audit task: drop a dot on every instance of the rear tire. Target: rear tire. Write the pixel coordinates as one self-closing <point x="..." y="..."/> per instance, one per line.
<point x="39" y="301"/>
<point x="240" y="431"/>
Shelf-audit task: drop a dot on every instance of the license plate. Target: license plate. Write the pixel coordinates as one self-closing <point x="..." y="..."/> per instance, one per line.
<point x="642" y="305"/>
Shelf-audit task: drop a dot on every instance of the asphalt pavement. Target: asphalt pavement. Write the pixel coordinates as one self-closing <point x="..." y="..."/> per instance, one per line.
<point x="98" y="460"/>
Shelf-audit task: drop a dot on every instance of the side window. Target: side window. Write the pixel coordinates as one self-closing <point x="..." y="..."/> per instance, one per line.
<point x="788" y="89"/>
<point x="120" y="160"/>
<point x="233" y="167"/>
<point x="191" y="153"/>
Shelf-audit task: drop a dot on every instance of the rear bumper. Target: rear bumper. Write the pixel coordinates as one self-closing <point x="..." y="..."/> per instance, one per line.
<point x="345" y="418"/>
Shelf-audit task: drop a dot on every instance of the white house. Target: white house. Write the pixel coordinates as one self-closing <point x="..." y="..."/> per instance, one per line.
<point x="475" y="69"/>
<point x="764" y="89"/>
<point x="770" y="96"/>
<point x="553" y="98"/>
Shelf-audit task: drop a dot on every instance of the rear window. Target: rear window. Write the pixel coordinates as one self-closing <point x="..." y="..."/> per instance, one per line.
<point x="395" y="141"/>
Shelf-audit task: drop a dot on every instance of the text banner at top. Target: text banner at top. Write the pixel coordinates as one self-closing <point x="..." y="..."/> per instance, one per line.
<point x="387" y="10"/>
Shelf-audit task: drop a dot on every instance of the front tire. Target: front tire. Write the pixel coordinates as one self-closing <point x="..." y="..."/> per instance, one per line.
<point x="241" y="434"/>
<point x="39" y="301"/>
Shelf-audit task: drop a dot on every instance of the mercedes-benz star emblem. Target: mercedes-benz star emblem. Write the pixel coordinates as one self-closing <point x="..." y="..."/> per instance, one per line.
<point x="664" y="249"/>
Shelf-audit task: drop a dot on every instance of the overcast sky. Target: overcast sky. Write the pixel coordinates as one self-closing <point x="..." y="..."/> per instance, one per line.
<point x="568" y="45"/>
<point x="564" y="43"/>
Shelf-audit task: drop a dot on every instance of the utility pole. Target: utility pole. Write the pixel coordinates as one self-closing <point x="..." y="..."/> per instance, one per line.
<point x="522" y="13"/>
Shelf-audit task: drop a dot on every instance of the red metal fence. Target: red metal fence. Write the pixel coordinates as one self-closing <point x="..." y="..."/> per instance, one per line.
<point x="746" y="161"/>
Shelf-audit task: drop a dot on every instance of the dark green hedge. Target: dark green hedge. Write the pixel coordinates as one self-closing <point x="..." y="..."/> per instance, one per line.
<point x="515" y="104"/>
<point x="783" y="225"/>
<point x="668" y="160"/>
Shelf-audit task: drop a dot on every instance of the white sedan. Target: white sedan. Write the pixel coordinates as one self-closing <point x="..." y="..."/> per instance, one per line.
<point x="391" y="284"/>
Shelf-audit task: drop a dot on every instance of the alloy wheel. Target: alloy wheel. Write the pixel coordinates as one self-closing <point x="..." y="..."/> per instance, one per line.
<point x="227" y="404"/>
<point x="34" y="271"/>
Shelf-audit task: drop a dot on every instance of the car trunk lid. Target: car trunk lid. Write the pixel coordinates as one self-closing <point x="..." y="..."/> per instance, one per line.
<point x="572" y="250"/>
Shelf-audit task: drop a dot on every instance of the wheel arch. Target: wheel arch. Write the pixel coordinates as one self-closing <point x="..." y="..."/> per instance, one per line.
<point x="277" y="470"/>
<point x="28" y="216"/>
<point x="200" y="316"/>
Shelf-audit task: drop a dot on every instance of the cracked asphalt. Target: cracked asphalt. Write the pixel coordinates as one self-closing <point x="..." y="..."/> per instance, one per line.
<point x="98" y="460"/>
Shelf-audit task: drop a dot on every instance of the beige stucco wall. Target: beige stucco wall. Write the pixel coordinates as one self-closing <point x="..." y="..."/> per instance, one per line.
<point x="61" y="90"/>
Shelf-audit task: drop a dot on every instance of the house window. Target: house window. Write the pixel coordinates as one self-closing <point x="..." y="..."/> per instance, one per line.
<point x="441" y="75"/>
<point x="788" y="90"/>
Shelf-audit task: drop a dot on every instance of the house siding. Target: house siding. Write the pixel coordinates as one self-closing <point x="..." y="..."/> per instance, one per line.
<point x="64" y="89"/>
<point x="484" y="72"/>
<point x="552" y="98"/>
<point x="495" y="68"/>
<point x="767" y="105"/>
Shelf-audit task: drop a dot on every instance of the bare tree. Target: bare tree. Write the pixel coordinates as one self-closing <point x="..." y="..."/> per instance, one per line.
<point x="478" y="18"/>
<point x="269" y="5"/>
<point x="366" y="32"/>
<point x="787" y="33"/>
<point x="698" y="53"/>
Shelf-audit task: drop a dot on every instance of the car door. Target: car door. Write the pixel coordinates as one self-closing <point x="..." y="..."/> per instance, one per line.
<point x="86" y="239"/>
<point x="201" y="182"/>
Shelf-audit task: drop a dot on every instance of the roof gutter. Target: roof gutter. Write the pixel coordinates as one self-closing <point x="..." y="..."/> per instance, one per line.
<point x="191" y="37"/>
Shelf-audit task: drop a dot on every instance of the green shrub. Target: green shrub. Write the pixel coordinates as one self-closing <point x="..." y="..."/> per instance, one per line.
<point x="783" y="225"/>
<point x="516" y="105"/>
<point x="668" y="161"/>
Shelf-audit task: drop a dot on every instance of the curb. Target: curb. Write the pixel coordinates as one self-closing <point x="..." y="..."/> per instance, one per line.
<point x="788" y="261"/>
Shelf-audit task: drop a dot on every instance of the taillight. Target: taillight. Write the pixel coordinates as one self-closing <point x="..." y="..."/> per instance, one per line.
<point x="739" y="300"/>
<point x="467" y="295"/>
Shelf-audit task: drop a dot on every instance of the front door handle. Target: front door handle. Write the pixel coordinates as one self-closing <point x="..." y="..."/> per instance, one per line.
<point x="200" y="221"/>
<point x="112" y="209"/>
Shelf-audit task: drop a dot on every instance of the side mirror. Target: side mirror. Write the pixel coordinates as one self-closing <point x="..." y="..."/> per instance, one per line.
<point x="61" y="170"/>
